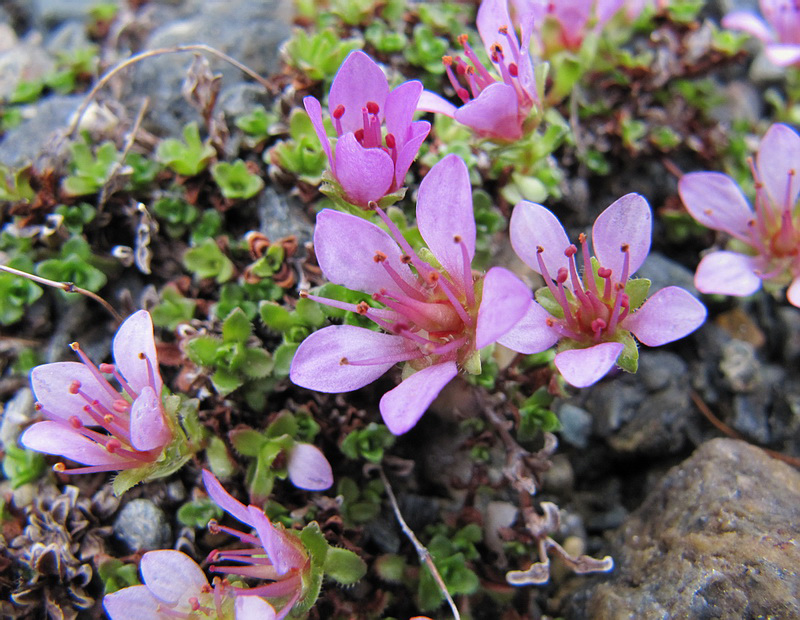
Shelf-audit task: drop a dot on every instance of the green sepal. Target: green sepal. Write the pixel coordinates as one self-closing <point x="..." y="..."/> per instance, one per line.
<point x="628" y="360"/>
<point x="344" y="566"/>
<point x="546" y="300"/>
<point x="180" y="413"/>
<point x="317" y="548"/>
<point x="637" y="291"/>
<point x="472" y="365"/>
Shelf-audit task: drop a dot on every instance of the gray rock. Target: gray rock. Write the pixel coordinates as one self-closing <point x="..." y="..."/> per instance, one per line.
<point x="40" y="130"/>
<point x="250" y="32"/>
<point x="48" y="13"/>
<point x="142" y="526"/>
<point x="716" y="539"/>
<point x="663" y="272"/>
<point x="649" y="413"/>
<point x="280" y="215"/>
<point x="739" y="366"/>
<point x="576" y="425"/>
<point x="69" y="37"/>
<point x="22" y="60"/>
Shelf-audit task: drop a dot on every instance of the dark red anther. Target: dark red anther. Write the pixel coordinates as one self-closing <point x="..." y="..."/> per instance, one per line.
<point x="359" y="134"/>
<point x="624" y="247"/>
<point x="379" y="256"/>
<point x="74" y="387"/>
<point x="539" y="249"/>
<point x="503" y="30"/>
<point x="106" y="368"/>
<point x="113" y="444"/>
<point x="604" y="272"/>
<point x="75" y="422"/>
<point x="338" y="112"/>
<point x="513" y="70"/>
<point x="562" y="275"/>
<point x="571" y="251"/>
<point x="372" y="107"/>
<point x="362" y="307"/>
<point x="461" y="69"/>
<point x="390" y="141"/>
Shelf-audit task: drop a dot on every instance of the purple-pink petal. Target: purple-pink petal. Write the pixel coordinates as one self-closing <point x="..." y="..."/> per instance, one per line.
<point x="58" y="439"/>
<point x="253" y="608"/>
<point x="783" y="54"/>
<point x="406" y="154"/>
<point x="444" y="212"/>
<point x="172" y="576"/>
<point x="133" y="603"/>
<point x="403" y="406"/>
<point x="51" y="382"/>
<point x="431" y="102"/>
<point x="309" y="469"/>
<point x="531" y="334"/>
<point x="320" y="362"/>
<point x="493" y="15"/>
<point x="626" y="221"/>
<point x="149" y="429"/>
<point x="749" y="23"/>
<point x="314" y="111"/>
<point x="346" y="245"/>
<point x="505" y="301"/>
<point x="793" y="292"/>
<point x="358" y="81"/>
<point x="400" y="107"/>
<point x="223" y="499"/>
<point x="727" y="273"/>
<point x="716" y="201"/>
<point x="583" y="367"/>
<point x="670" y="314"/>
<point x="280" y="551"/>
<point x="365" y="174"/>
<point x="135" y="338"/>
<point x="494" y="113"/>
<point x="778" y="162"/>
<point x="532" y="226"/>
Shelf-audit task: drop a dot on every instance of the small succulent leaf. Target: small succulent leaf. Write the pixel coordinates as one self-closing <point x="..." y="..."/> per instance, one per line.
<point x="628" y="360"/>
<point x="344" y="566"/>
<point x="637" y="290"/>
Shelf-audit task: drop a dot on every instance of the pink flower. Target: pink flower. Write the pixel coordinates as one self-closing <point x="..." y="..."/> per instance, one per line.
<point x="766" y="237"/>
<point x="780" y="32"/>
<point x="593" y="317"/>
<point x="634" y="8"/>
<point x="493" y="108"/>
<point x="366" y="164"/>
<point x="273" y="554"/>
<point x="438" y="314"/>
<point x="132" y="430"/>
<point x="176" y="587"/>
<point x="572" y="19"/>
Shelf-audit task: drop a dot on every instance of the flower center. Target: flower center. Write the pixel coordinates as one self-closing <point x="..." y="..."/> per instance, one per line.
<point x="369" y="135"/>
<point x="590" y="315"/>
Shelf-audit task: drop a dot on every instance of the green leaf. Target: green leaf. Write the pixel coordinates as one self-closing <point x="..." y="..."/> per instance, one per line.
<point x="225" y="381"/>
<point x="247" y="442"/>
<point x="187" y="158"/>
<point x="22" y="466"/>
<point x="368" y="443"/>
<point x="235" y="180"/>
<point x="237" y="327"/>
<point x="173" y="310"/>
<point x="275" y="316"/>
<point x="198" y="513"/>
<point x="218" y="458"/>
<point x="283" y="357"/>
<point x="204" y="350"/>
<point x="258" y="363"/>
<point x="206" y="260"/>
<point x="344" y="566"/>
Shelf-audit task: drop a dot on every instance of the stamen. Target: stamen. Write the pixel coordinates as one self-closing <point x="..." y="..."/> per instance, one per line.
<point x="337" y="119"/>
<point x="558" y="293"/>
<point x="512" y="43"/>
<point x="614" y="319"/>
<point x="605" y="273"/>
<point x="151" y="376"/>
<point x="588" y="273"/>
<point x="626" y="262"/>
<point x="470" y="53"/>
<point x="422" y="267"/>
<point x="466" y="265"/>
<point x="94" y="370"/>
